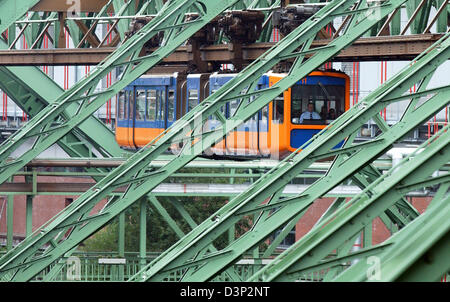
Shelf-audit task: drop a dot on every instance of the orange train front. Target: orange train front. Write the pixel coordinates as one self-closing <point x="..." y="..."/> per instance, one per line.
<point x="152" y="103"/>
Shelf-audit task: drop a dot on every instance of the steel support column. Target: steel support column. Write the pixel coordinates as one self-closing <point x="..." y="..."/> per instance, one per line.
<point x="359" y="212"/>
<point x="351" y="159"/>
<point x="141" y="181"/>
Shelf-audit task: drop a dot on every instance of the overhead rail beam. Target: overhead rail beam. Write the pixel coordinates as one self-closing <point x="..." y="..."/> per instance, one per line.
<point x="385" y="48"/>
<point x="49" y="125"/>
<point x="187" y="129"/>
<point x="346" y="165"/>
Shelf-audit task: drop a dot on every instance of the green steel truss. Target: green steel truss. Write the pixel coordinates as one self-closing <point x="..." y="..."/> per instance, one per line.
<point x="425" y="244"/>
<point x="303" y="36"/>
<point x="133" y="172"/>
<point x="49" y="125"/>
<point x="351" y="159"/>
<point x="32" y="91"/>
<point x="419" y="252"/>
<point x="82" y="28"/>
<point x="141" y="181"/>
<point x="404" y="247"/>
<point x="20" y="264"/>
<point x="10" y="11"/>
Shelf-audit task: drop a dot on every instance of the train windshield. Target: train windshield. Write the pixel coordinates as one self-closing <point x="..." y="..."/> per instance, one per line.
<point x="316" y="104"/>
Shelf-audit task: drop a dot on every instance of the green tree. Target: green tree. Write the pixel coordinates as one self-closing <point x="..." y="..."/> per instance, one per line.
<point x="159" y="235"/>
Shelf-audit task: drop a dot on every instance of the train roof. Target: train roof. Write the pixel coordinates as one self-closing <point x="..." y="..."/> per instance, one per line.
<point x="163" y="75"/>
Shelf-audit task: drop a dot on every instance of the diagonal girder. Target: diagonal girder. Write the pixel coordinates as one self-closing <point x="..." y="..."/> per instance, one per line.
<point x="34" y="94"/>
<point x="358" y="212"/>
<point x="49" y="126"/>
<point x="171" y="20"/>
<point x="12" y="10"/>
<point x="277" y="178"/>
<point x="134" y="170"/>
<point x="417" y="253"/>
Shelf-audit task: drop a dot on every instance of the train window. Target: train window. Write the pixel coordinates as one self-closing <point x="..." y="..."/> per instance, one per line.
<point x="122" y="104"/>
<point x="161" y="95"/>
<point x="233" y="106"/>
<point x="151" y="105"/>
<point x="193" y="99"/>
<point x="130" y="97"/>
<point x="140" y="105"/>
<point x="278" y="109"/>
<point x="171" y="106"/>
<point x="288" y="240"/>
<point x="328" y="103"/>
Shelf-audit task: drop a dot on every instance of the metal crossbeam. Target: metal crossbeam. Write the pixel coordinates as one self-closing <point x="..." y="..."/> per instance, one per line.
<point x="171" y="19"/>
<point x="358" y="212"/>
<point x="42" y="125"/>
<point x="135" y="166"/>
<point x="12" y="10"/>
<point x="33" y="95"/>
<point x="277" y="178"/>
<point x="418" y="252"/>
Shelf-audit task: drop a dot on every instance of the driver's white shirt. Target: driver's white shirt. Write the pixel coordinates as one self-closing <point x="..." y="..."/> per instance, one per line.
<point x="309" y="116"/>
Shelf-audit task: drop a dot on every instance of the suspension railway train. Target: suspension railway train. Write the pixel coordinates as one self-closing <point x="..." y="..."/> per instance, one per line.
<point x="152" y="103"/>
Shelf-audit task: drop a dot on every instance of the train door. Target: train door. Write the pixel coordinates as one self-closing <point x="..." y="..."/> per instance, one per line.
<point x="197" y="87"/>
<point x="204" y="87"/>
<point x="245" y="138"/>
<point x="156" y="109"/>
<point x="263" y="131"/>
<point x="180" y="107"/>
<point x="258" y="125"/>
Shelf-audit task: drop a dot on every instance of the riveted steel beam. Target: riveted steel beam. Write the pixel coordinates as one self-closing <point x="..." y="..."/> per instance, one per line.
<point x="11" y="10"/>
<point x="417" y="253"/>
<point x="358" y="212"/>
<point x="344" y="167"/>
<point x="365" y="49"/>
<point x="171" y="19"/>
<point x="32" y="91"/>
<point x="132" y="169"/>
<point x="49" y="125"/>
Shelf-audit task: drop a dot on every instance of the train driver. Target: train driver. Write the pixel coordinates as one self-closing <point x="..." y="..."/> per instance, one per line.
<point x="310" y="114"/>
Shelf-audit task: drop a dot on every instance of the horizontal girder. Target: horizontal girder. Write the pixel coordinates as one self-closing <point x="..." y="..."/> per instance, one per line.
<point x="345" y="166"/>
<point x="141" y="182"/>
<point x="386" y="48"/>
